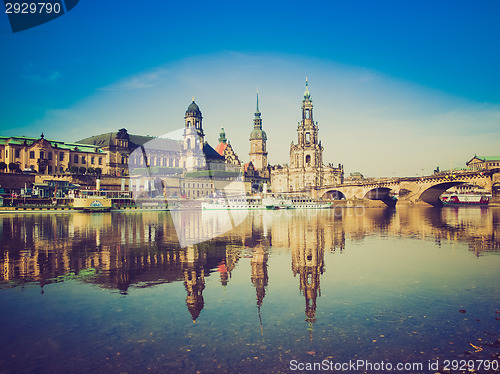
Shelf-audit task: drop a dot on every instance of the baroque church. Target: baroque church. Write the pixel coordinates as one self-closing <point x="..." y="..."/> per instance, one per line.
<point x="306" y="171"/>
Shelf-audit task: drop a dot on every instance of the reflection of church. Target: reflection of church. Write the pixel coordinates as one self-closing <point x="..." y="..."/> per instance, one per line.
<point x="194" y="281"/>
<point x="308" y="262"/>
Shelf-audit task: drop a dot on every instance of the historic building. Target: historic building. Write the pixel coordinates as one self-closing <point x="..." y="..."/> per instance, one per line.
<point x="306" y="170"/>
<point x="484" y="162"/>
<point x="49" y="156"/>
<point x="257" y="171"/>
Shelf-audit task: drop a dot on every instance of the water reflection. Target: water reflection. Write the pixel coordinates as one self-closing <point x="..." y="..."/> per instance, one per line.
<point x="351" y="256"/>
<point x="142" y="248"/>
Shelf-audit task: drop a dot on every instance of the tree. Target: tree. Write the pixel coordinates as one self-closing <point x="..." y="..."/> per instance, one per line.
<point x="90" y="170"/>
<point x="13" y="166"/>
<point x="82" y="169"/>
<point x="73" y="169"/>
<point x="98" y="171"/>
<point x="3" y="166"/>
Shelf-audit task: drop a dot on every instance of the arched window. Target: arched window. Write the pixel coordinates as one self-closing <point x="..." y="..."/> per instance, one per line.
<point x="308" y="114"/>
<point x="188" y="143"/>
<point x="308" y="159"/>
<point x="308" y="137"/>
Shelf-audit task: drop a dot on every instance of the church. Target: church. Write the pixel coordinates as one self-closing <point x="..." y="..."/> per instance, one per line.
<point x="306" y="171"/>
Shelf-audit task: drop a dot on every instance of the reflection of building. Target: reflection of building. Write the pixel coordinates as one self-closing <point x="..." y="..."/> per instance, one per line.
<point x="259" y="273"/>
<point x="308" y="262"/>
<point x="306" y="170"/>
<point x="194" y="282"/>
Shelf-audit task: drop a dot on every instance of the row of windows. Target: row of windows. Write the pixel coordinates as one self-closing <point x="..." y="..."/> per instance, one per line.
<point x="155" y="162"/>
<point x="198" y="185"/>
<point x="76" y="158"/>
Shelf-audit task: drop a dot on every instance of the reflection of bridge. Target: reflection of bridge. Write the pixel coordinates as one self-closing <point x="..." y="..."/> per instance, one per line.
<point x="412" y="190"/>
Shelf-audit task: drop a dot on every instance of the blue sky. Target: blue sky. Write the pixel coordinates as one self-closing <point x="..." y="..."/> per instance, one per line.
<point x="398" y="87"/>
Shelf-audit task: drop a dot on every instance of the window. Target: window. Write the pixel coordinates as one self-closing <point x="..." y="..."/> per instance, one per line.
<point x="50" y="169"/>
<point x="50" y="156"/>
<point x="83" y="160"/>
<point x="308" y="159"/>
<point x="61" y="169"/>
<point x="61" y="156"/>
<point x="75" y="159"/>
<point x="92" y="160"/>
<point x="177" y="163"/>
<point x="17" y="153"/>
<point x="308" y="137"/>
<point x="100" y="160"/>
<point x="6" y="153"/>
<point x="32" y="155"/>
<point x="308" y="114"/>
<point x="170" y="162"/>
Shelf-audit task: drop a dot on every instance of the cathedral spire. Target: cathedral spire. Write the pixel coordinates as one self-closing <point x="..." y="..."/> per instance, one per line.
<point x="307" y="94"/>
<point x="257" y="112"/>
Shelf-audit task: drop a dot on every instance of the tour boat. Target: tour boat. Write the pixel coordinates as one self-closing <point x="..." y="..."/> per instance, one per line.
<point x="268" y="202"/>
<point x="465" y="199"/>
<point x="92" y="203"/>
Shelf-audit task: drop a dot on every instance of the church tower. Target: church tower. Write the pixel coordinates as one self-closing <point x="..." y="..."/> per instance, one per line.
<point x="308" y="153"/>
<point x="192" y="148"/>
<point x="194" y="119"/>
<point x="258" y="138"/>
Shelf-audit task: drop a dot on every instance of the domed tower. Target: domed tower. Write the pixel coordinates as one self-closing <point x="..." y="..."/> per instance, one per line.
<point x="258" y="138"/>
<point x="194" y="119"/>
<point x="192" y="153"/>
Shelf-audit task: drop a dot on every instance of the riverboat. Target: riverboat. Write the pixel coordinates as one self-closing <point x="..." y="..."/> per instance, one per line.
<point x="92" y="203"/>
<point x="266" y="202"/>
<point x="465" y="199"/>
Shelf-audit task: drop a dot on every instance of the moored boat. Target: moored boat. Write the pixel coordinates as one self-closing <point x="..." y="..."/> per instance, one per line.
<point x="465" y="199"/>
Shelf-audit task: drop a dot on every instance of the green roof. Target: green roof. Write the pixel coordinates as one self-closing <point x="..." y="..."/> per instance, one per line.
<point x="22" y="140"/>
<point x="489" y="158"/>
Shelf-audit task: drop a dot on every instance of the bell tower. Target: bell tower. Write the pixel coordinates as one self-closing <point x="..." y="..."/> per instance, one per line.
<point x="308" y="153"/>
<point x="258" y="138"/>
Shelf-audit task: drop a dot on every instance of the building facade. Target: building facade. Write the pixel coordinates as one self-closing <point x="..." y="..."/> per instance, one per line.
<point x="306" y="171"/>
<point x="49" y="156"/>
<point x="484" y="162"/>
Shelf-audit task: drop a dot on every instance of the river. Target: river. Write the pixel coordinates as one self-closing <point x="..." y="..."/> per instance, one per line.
<point x="281" y="292"/>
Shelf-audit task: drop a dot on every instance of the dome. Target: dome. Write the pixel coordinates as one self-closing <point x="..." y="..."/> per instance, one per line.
<point x="193" y="109"/>
<point x="258" y="134"/>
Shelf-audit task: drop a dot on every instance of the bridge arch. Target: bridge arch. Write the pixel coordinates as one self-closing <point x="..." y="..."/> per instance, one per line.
<point x="381" y="193"/>
<point x="334" y="195"/>
<point x="431" y="195"/>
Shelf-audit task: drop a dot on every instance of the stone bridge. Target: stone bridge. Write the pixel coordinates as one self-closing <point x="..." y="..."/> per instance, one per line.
<point x="411" y="190"/>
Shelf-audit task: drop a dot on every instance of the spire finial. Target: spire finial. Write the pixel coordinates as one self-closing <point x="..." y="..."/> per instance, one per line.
<point x="307" y="95"/>
<point x="258" y="101"/>
<point x="193" y="99"/>
<point x="42" y="136"/>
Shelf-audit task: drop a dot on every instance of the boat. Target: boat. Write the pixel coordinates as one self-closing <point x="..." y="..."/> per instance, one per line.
<point x="465" y="199"/>
<point x="92" y="203"/>
<point x="265" y="202"/>
<point x="220" y="203"/>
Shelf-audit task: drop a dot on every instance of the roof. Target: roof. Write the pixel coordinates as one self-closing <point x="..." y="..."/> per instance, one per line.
<point x="26" y="141"/>
<point x="211" y="154"/>
<point x="194" y="109"/>
<point x="221" y="147"/>
<point x="484" y="158"/>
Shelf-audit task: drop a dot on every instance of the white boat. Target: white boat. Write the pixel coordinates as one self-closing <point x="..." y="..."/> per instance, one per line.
<point x="221" y="203"/>
<point x="268" y="202"/>
<point x="465" y="199"/>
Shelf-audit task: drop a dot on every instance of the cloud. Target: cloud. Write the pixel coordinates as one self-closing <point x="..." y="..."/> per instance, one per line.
<point x="137" y="82"/>
<point x="30" y="72"/>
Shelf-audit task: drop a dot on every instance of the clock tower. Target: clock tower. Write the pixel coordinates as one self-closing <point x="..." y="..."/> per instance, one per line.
<point x="258" y="138"/>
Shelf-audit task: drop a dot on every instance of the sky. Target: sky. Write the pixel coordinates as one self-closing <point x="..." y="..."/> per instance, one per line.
<point x="398" y="87"/>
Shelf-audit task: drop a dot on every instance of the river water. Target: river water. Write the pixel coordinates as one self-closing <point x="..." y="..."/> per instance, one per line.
<point x="282" y="291"/>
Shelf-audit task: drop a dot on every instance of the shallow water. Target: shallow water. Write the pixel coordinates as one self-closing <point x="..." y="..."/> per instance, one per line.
<point x="113" y="292"/>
